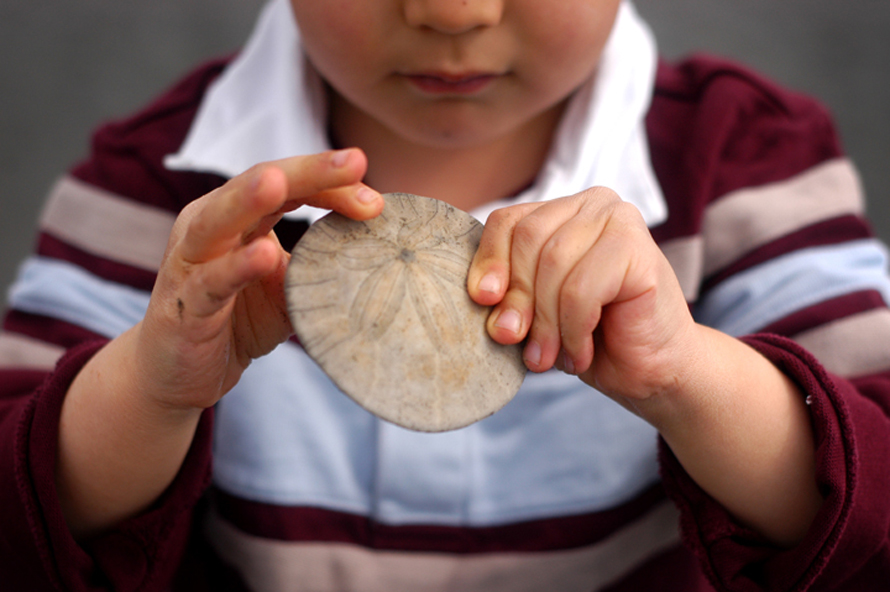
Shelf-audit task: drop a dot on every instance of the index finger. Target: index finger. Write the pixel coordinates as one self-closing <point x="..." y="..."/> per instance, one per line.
<point x="489" y="274"/>
<point x="225" y="217"/>
<point x="492" y="280"/>
<point x="330" y="180"/>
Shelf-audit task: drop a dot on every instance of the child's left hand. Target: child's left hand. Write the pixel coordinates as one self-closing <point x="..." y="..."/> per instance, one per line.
<point x="583" y="280"/>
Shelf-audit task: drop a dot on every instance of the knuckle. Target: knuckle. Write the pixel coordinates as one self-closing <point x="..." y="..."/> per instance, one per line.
<point x="609" y="203"/>
<point x="558" y="252"/>
<point x="500" y="219"/>
<point x="576" y="308"/>
<point x="191" y="211"/>
<point x="511" y="215"/>
<point x="572" y="298"/>
<point x="527" y="232"/>
<point x="603" y="195"/>
<point x="184" y="220"/>
<point x="552" y="258"/>
<point x="198" y="225"/>
<point x="628" y="214"/>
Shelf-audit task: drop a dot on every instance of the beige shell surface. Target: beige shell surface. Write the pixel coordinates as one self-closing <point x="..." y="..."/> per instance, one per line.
<point x="382" y="307"/>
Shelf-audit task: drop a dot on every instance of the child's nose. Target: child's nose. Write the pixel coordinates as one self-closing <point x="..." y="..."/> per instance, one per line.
<point x="453" y="17"/>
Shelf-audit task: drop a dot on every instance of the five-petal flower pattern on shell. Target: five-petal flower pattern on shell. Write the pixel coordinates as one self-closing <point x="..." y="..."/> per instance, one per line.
<point x="414" y="265"/>
<point x="382" y="307"/>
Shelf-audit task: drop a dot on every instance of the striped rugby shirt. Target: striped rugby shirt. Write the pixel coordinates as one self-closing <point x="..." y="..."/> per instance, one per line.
<point x="561" y="490"/>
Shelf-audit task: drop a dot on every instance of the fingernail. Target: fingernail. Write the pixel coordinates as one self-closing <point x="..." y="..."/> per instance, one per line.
<point x="567" y="364"/>
<point x="490" y="283"/>
<point x="509" y="320"/>
<point x="340" y="157"/>
<point x="532" y="353"/>
<point x="365" y="195"/>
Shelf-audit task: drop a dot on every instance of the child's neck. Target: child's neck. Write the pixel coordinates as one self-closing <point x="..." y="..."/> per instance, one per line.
<point x="464" y="177"/>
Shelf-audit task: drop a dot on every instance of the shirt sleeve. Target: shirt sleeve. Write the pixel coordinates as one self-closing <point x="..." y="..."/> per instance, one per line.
<point x="847" y="547"/>
<point x="101" y="237"/>
<point x="771" y="213"/>
<point x="40" y="552"/>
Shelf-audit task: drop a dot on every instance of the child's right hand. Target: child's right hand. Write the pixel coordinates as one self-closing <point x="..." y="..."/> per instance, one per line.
<point x="130" y="415"/>
<point x="218" y="301"/>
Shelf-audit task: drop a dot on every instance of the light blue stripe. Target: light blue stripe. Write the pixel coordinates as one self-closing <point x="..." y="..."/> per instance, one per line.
<point x="751" y="300"/>
<point x="64" y="291"/>
<point x="559" y="448"/>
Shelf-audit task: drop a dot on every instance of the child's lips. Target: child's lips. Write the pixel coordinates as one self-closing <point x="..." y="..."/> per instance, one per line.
<point x="455" y="84"/>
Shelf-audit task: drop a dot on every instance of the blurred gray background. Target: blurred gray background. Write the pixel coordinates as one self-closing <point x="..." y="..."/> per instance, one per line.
<point x="66" y="66"/>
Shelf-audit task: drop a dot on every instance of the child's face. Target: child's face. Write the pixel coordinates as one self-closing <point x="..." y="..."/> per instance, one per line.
<point x="454" y="73"/>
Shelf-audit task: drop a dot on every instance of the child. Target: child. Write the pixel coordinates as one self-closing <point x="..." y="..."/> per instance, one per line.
<point x="656" y="236"/>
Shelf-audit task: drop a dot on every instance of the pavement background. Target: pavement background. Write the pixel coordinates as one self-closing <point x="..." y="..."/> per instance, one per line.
<point x="67" y="66"/>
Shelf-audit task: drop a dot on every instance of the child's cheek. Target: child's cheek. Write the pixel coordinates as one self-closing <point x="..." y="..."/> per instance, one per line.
<point x="334" y="29"/>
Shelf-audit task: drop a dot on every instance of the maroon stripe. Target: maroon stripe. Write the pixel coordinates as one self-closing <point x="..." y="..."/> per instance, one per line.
<point x="300" y="523"/>
<point x="47" y="329"/>
<point x="834" y="231"/>
<point x="824" y="312"/>
<point x="674" y="569"/>
<point x="202" y="569"/>
<point x="141" y="279"/>
<point x="127" y="155"/>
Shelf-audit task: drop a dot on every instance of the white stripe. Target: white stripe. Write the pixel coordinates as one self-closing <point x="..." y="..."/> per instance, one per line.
<point x="276" y="566"/>
<point x="64" y="291"/>
<point x="752" y="299"/>
<point x="853" y="346"/>
<point x="558" y="448"/>
<point x="22" y="352"/>
<point x="107" y="225"/>
<point x="754" y="216"/>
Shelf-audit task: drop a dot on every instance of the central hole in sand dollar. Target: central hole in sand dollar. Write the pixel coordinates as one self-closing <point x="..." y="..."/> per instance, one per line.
<point x="407" y="255"/>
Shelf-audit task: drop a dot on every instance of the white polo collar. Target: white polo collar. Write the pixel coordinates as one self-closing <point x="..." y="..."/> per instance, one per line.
<point x="269" y="104"/>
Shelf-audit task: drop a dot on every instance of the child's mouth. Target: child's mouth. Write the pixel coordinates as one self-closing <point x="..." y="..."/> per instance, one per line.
<point x="442" y="83"/>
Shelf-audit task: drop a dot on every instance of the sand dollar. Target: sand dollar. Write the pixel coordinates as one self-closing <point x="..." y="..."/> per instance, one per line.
<point x="382" y="307"/>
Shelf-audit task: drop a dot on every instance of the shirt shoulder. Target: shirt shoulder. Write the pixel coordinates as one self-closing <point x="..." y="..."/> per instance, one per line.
<point x="126" y="156"/>
<point x="716" y="126"/>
